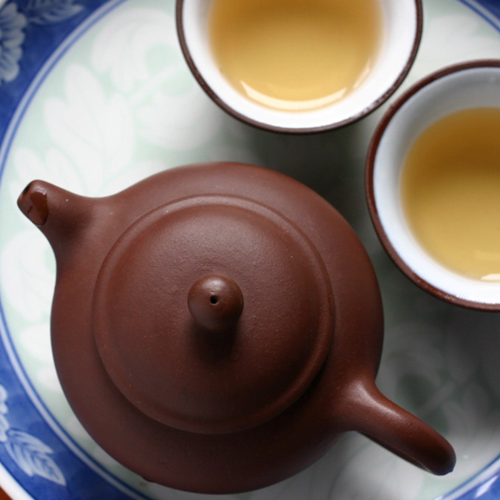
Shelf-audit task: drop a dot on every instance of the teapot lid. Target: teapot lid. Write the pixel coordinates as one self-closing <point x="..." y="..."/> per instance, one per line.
<point x="213" y="313"/>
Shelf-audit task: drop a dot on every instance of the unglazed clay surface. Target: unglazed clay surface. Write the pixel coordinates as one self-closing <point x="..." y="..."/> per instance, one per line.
<point x="291" y="359"/>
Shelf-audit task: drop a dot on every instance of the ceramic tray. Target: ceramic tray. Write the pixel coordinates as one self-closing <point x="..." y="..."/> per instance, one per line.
<point x="94" y="95"/>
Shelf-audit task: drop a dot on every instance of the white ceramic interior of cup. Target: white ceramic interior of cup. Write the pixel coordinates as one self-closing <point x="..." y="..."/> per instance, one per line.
<point x="400" y="31"/>
<point x="468" y="88"/>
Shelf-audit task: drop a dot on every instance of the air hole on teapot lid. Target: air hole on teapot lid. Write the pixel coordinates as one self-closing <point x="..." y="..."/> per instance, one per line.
<point x="214" y="299"/>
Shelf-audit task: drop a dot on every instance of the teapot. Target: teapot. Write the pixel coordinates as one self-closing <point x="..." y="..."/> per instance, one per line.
<point x="217" y="326"/>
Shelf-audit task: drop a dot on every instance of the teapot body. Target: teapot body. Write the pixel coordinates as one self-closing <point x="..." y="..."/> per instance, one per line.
<point x="335" y="393"/>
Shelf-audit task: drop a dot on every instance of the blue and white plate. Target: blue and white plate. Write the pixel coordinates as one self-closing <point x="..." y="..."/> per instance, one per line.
<point x="94" y="96"/>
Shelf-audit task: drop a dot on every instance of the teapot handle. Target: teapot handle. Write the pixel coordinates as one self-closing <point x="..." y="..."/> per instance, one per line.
<point x="402" y="433"/>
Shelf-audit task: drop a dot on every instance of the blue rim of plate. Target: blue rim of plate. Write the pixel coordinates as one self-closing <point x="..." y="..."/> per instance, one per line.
<point x="35" y="452"/>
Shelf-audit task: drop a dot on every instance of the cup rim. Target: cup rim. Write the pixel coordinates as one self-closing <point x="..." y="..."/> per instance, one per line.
<point x="299" y="130"/>
<point x="370" y="191"/>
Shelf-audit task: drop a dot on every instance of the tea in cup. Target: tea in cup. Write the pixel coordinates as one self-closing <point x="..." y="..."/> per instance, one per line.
<point x="433" y="184"/>
<point x="299" y="65"/>
<point x="293" y="55"/>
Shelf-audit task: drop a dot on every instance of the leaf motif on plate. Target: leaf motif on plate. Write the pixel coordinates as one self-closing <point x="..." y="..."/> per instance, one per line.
<point x="180" y="123"/>
<point x="29" y="274"/>
<point x="125" y="42"/>
<point x="3" y="400"/>
<point x="413" y="354"/>
<point x="51" y="11"/>
<point x="440" y="43"/>
<point x="12" y="24"/>
<point x="27" y="451"/>
<point x="32" y="456"/>
<point x="4" y="427"/>
<point x="385" y="476"/>
<point x="4" y="423"/>
<point x="54" y="166"/>
<point x="95" y="131"/>
<point x="475" y="424"/>
<point x="36" y="341"/>
<point x="13" y="21"/>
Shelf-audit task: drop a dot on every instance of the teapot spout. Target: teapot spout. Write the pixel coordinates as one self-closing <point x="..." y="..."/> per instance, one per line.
<point x="58" y="213"/>
<point x="399" y="431"/>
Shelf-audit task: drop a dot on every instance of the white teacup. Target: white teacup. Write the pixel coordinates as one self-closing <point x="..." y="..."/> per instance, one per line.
<point x="401" y="34"/>
<point x="460" y="87"/>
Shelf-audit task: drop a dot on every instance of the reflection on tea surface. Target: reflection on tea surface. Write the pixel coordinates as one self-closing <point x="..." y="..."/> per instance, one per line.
<point x="295" y="55"/>
<point x="451" y="191"/>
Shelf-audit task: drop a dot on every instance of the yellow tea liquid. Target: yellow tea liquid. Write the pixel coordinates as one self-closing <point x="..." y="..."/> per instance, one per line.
<point x="451" y="191"/>
<point x="295" y="55"/>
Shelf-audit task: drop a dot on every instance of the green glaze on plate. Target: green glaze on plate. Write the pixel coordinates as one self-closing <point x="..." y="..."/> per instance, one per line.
<point x="120" y="105"/>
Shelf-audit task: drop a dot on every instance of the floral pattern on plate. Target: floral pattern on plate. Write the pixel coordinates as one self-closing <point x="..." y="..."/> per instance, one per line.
<point x="110" y="101"/>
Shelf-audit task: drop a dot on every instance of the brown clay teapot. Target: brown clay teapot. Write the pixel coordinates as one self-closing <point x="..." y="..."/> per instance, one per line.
<point x="215" y="327"/>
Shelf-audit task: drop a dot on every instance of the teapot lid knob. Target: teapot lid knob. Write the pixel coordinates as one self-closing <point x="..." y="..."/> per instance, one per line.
<point x="216" y="302"/>
<point x="212" y="331"/>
